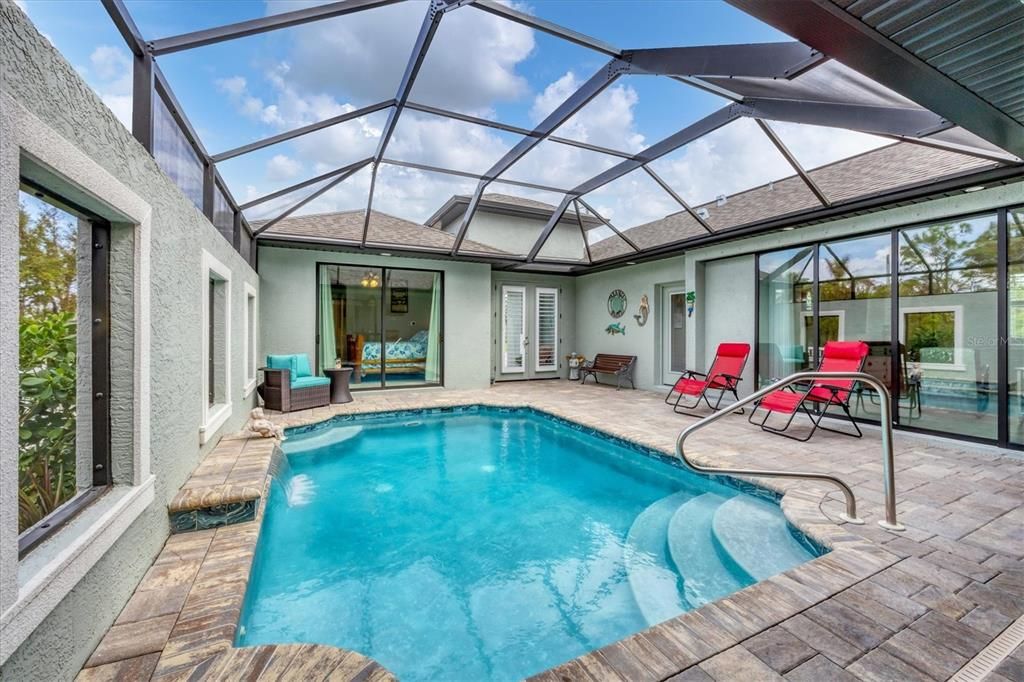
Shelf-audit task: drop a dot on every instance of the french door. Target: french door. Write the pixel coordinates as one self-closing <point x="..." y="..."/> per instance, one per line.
<point x="673" y="334"/>
<point x="528" y="334"/>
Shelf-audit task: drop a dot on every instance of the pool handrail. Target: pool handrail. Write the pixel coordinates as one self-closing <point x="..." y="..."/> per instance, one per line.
<point x="888" y="465"/>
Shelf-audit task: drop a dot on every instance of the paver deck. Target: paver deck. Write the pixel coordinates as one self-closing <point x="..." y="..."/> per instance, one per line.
<point x="915" y="605"/>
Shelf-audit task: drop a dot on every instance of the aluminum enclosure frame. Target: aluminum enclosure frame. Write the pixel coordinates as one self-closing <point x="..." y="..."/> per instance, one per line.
<point x="686" y="65"/>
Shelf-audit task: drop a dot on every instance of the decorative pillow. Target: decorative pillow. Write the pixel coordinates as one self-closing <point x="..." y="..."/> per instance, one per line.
<point x="302" y="368"/>
<point x="282" y="362"/>
<point x="421" y="336"/>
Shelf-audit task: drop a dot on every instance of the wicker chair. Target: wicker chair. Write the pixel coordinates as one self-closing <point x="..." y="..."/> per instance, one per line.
<point x="289" y="384"/>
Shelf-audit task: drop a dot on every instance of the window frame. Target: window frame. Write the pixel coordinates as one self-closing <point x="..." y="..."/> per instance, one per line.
<point x="213" y="416"/>
<point x="251" y="353"/>
<point x="384" y="272"/>
<point x="99" y="458"/>
<point x="958" y="334"/>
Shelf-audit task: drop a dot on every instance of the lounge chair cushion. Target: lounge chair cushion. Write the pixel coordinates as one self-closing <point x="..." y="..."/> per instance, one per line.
<point x="786" y="402"/>
<point x="690" y="386"/>
<point x="307" y="382"/>
<point x="302" y="368"/>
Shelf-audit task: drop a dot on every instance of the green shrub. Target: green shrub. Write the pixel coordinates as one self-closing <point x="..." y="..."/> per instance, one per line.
<point x="46" y="419"/>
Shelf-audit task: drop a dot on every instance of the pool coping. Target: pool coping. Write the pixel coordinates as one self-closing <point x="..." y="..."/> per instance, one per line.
<point x="183" y="619"/>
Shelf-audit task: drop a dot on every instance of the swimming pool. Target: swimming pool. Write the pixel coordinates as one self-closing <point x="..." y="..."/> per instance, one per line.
<point x="491" y="544"/>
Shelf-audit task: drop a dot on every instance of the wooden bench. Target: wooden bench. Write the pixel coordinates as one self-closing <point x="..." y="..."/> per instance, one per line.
<point x="621" y="366"/>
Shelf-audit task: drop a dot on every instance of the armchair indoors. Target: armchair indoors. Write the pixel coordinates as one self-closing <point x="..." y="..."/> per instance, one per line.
<point x="289" y="384"/>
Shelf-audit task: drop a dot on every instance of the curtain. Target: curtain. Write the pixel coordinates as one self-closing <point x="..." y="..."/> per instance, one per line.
<point x="433" y="368"/>
<point x="328" y="348"/>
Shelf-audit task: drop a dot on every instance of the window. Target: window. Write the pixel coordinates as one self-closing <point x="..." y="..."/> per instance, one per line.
<point x="513" y="337"/>
<point x="251" y="330"/>
<point x="216" y="320"/>
<point x="547" y="329"/>
<point x="830" y="327"/>
<point x="931" y="336"/>
<point x="63" y="364"/>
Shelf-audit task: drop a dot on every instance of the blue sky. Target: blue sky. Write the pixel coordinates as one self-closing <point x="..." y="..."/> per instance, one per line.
<point x="248" y="89"/>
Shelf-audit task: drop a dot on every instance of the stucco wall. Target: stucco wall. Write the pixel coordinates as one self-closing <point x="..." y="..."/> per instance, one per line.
<point x="38" y="82"/>
<point x="726" y="303"/>
<point x="518" y="234"/>
<point x="592" y="314"/>
<point x="288" y="307"/>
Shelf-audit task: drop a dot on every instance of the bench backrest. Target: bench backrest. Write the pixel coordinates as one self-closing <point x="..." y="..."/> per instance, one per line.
<point x="606" y="362"/>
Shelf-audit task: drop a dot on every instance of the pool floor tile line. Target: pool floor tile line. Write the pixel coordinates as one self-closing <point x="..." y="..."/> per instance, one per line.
<point x="879" y="606"/>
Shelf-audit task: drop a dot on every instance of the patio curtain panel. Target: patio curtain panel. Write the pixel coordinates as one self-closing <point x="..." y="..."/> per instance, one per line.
<point x="433" y="366"/>
<point x="328" y="346"/>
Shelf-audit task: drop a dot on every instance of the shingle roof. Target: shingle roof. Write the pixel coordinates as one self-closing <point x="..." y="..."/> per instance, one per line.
<point x="496" y="200"/>
<point x="384" y="229"/>
<point x="879" y="170"/>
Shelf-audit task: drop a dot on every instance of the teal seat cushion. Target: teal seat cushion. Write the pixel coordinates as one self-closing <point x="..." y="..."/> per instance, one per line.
<point x="307" y="382"/>
<point x="302" y="368"/>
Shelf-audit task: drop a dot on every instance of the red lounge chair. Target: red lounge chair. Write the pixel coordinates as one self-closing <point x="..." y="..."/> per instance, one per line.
<point x="839" y="356"/>
<point x="723" y="376"/>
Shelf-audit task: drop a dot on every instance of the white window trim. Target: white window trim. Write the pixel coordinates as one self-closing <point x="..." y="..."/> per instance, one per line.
<point x="251" y="363"/>
<point x="536" y="318"/>
<point x="505" y="368"/>
<point x="31" y="588"/>
<point x="841" y="314"/>
<point x="214" y="416"/>
<point x="958" y="334"/>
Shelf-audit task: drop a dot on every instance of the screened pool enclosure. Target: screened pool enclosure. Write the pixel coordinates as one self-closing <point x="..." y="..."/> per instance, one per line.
<point x="608" y="199"/>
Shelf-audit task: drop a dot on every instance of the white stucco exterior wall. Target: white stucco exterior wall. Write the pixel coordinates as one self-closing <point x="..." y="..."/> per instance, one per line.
<point x="592" y="316"/>
<point x="51" y="621"/>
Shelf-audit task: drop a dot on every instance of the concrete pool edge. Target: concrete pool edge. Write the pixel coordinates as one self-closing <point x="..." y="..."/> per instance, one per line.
<point x="193" y="594"/>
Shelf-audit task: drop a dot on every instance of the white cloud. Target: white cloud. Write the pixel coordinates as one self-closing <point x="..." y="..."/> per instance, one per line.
<point x="361" y="57"/>
<point x="335" y="66"/>
<point x="733" y="158"/>
<point x="281" y="167"/>
<point x="816" y="146"/>
<point x="109" y="73"/>
<point x="608" y="120"/>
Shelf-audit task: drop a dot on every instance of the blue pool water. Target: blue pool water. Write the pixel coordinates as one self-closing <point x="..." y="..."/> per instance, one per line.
<point x="491" y="545"/>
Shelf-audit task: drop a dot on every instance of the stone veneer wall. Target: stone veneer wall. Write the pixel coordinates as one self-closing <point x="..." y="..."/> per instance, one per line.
<point x="35" y="77"/>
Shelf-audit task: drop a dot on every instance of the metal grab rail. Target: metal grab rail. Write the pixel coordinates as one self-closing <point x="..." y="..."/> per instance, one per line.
<point x="885" y="403"/>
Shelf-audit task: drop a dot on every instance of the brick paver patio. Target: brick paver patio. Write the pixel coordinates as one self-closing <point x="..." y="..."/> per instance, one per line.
<point x="914" y="605"/>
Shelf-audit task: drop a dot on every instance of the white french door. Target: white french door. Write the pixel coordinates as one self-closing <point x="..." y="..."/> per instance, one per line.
<point x="673" y="334"/>
<point x="528" y="337"/>
<point x="546" y="326"/>
<point x="513" y="329"/>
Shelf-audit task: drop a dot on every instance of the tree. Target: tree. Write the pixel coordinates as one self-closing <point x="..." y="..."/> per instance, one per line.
<point x="47" y="363"/>
<point x="46" y="263"/>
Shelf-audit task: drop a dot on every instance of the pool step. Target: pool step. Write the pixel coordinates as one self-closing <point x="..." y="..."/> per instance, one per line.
<point x="652" y="576"/>
<point x="298" y="445"/>
<point x="706" y="576"/>
<point x="754" y="533"/>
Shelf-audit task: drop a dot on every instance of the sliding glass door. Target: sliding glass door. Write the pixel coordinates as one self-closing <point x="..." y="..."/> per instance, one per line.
<point x="948" y="324"/>
<point x="384" y="323"/>
<point x="854" y="294"/>
<point x="926" y="301"/>
<point x="785" y="307"/>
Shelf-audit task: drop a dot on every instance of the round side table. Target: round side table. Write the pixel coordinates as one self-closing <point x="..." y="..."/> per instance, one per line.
<point x="339" y="384"/>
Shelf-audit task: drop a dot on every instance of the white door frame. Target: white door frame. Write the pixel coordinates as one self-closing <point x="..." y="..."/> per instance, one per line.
<point x="665" y="320"/>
